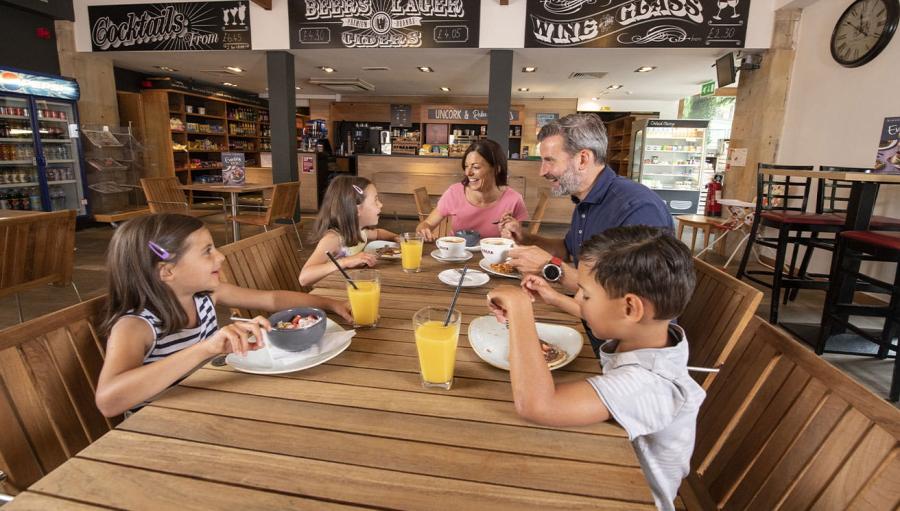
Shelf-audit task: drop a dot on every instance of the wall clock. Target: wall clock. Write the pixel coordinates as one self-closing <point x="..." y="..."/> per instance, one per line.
<point x="863" y="31"/>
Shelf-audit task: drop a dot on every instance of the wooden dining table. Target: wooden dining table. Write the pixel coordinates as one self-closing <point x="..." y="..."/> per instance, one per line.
<point x="358" y="431"/>
<point x="233" y="191"/>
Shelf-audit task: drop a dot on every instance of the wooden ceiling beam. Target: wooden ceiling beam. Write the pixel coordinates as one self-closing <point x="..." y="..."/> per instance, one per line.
<point x="265" y="4"/>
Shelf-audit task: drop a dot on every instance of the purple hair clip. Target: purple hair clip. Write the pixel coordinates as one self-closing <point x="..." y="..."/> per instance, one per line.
<point x="158" y="250"/>
<point x="359" y="190"/>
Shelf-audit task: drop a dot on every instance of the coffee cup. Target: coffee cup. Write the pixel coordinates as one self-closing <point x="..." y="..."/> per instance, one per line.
<point x="495" y="250"/>
<point x="451" y="246"/>
<point x="472" y="237"/>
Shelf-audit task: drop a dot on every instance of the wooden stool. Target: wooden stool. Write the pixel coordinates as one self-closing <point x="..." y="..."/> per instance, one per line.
<point x="699" y="222"/>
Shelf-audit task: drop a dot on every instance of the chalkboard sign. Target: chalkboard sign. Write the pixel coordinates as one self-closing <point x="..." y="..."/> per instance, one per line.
<point x="401" y="115"/>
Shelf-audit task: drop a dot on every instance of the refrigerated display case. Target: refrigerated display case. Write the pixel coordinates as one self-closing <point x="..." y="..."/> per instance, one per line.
<point x="40" y="151"/>
<point x="668" y="157"/>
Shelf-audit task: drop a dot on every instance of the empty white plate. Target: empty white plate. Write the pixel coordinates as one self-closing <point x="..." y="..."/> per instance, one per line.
<point x="436" y="253"/>
<point x="490" y="340"/>
<point x="260" y="362"/>
<point x="473" y="278"/>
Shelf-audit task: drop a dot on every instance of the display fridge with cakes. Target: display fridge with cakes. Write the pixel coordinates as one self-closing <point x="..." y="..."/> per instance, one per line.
<point x="668" y="157"/>
<point x="40" y="151"/>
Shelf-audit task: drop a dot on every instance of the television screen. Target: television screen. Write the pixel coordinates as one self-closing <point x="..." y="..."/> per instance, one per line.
<point x="725" y="71"/>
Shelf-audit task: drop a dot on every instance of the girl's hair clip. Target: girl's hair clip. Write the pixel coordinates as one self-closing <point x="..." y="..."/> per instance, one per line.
<point x="358" y="190"/>
<point x="158" y="250"/>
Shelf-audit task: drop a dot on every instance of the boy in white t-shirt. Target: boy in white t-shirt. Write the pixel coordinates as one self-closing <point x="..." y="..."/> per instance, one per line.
<point x="632" y="282"/>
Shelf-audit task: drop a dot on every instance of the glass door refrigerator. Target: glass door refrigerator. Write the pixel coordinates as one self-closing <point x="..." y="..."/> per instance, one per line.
<point x="668" y="157"/>
<point x="40" y="152"/>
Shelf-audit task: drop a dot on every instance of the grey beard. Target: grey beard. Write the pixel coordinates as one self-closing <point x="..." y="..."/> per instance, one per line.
<point x="569" y="183"/>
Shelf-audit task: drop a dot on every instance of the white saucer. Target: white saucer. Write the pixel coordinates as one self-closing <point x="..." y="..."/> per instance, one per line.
<point x="490" y="341"/>
<point x="436" y="253"/>
<point x="474" y="248"/>
<point x="259" y="361"/>
<point x="373" y="246"/>
<point x="473" y="278"/>
<point x="487" y="267"/>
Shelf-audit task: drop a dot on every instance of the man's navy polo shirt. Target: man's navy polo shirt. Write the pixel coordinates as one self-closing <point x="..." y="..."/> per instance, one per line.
<point x="614" y="201"/>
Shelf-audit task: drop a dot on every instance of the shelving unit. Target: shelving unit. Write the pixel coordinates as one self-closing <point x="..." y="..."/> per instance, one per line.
<point x="619" y="133"/>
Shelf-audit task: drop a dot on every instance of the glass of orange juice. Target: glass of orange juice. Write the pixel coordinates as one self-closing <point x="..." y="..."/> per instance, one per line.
<point x="365" y="299"/>
<point x="436" y="345"/>
<point x="411" y="251"/>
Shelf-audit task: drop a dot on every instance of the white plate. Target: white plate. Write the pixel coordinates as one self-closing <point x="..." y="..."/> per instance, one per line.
<point x="259" y="361"/>
<point x="473" y="279"/>
<point x="436" y="253"/>
<point x="490" y="340"/>
<point x="487" y="267"/>
<point x="373" y="246"/>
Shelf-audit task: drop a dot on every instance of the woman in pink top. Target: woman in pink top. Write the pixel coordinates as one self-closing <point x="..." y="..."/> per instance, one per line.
<point x="482" y="197"/>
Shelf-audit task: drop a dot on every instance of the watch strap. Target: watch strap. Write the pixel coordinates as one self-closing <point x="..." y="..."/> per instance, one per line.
<point x="557" y="261"/>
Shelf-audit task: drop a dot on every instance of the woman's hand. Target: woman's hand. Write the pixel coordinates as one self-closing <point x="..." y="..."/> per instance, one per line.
<point x="235" y="338"/>
<point x="360" y="260"/>
<point x="537" y="287"/>
<point x="505" y="298"/>
<point x="340" y="308"/>
<point x="424" y="230"/>
<point x="511" y="228"/>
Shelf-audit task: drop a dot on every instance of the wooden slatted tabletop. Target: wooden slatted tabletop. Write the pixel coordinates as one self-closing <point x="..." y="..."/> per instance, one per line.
<point x="356" y="432"/>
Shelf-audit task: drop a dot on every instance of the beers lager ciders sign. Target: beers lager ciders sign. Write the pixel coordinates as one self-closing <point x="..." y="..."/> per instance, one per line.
<point x="171" y="26"/>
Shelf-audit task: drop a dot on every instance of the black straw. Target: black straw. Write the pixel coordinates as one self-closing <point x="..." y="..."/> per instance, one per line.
<point x="341" y="269"/>
<point x="462" y="277"/>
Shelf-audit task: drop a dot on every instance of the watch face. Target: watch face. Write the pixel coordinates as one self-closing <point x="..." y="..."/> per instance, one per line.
<point x="552" y="272"/>
<point x="863" y="30"/>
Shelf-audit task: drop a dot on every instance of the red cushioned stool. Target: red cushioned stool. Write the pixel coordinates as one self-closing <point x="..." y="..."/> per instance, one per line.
<point x="852" y="248"/>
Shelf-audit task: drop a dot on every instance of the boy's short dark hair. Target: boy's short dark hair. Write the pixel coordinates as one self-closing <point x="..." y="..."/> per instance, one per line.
<point x="646" y="261"/>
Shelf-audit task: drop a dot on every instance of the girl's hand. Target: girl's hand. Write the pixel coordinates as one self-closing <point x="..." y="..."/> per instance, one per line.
<point x="505" y="298"/>
<point x="235" y="338"/>
<point x="537" y="287"/>
<point x="425" y="232"/>
<point x="360" y="260"/>
<point x="342" y="309"/>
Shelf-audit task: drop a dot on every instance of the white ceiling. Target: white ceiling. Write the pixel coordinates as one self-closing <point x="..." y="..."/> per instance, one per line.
<point x="466" y="71"/>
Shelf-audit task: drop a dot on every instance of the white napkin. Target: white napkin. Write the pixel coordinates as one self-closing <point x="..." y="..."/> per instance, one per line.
<point x="330" y="341"/>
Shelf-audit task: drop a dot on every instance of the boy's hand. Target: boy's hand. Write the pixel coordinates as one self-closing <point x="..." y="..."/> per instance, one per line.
<point x="235" y="338"/>
<point x="530" y="259"/>
<point x="341" y="308"/>
<point x="537" y="287"/>
<point x="360" y="260"/>
<point x="505" y="298"/>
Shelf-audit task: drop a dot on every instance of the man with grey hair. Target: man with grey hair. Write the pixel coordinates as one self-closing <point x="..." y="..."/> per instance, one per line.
<point x="573" y="160"/>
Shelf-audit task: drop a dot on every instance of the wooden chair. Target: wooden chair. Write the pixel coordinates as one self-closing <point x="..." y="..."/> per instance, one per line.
<point x="164" y="196"/>
<point x="783" y="429"/>
<point x="49" y="368"/>
<point x="36" y="250"/>
<point x="423" y="207"/>
<point x="268" y="261"/>
<point x="715" y="318"/>
<point x="283" y="206"/>
<point x="539" y="210"/>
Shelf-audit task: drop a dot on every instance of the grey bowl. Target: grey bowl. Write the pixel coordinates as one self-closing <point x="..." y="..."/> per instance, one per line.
<point x="472" y="237"/>
<point x="296" y="340"/>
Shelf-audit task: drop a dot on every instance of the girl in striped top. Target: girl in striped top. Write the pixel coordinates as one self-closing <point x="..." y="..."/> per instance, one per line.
<point x="161" y="317"/>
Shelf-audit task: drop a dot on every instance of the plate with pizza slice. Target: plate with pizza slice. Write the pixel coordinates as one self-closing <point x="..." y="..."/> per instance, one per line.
<point x="500" y="269"/>
<point x="383" y="249"/>
<point x="490" y="341"/>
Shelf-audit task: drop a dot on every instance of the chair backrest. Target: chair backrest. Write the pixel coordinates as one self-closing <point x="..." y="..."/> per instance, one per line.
<point x="783" y="429"/>
<point x="268" y="261"/>
<point x="539" y="210"/>
<point x="782" y="193"/>
<point x="36" y="250"/>
<point x="714" y="319"/>
<point x="284" y="201"/>
<point x="423" y="208"/>
<point x="833" y="195"/>
<point x="49" y="368"/>
<point x="163" y="194"/>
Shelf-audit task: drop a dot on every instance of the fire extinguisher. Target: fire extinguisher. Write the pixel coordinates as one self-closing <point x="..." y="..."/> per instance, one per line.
<point x="713" y="195"/>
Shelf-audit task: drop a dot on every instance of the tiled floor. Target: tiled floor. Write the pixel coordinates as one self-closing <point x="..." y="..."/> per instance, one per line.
<point x="90" y="277"/>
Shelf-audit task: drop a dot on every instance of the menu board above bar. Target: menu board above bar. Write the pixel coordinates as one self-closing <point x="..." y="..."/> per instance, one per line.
<point x="401" y="116"/>
<point x="636" y="23"/>
<point x="187" y="26"/>
<point x="464" y="114"/>
<point x="384" y="23"/>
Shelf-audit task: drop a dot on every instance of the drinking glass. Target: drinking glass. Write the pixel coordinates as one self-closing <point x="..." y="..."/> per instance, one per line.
<point x="436" y="345"/>
<point x="411" y="251"/>
<point x="366" y="298"/>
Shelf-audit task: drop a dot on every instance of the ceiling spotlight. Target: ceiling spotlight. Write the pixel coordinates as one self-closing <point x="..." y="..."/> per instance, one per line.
<point x="234" y="69"/>
<point x="529" y="69"/>
<point x="229" y="84"/>
<point x="523" y="89"/>
<point x="595" y="99"/>
<point x="166" y="69"/>
<point x="327" y="69"/>
<point x="297" y="87"/>
<point x="644" y="69"/>
<point x="615" y="87"/>
<point x="426" y="69"/>
<point x="445" y="89"/>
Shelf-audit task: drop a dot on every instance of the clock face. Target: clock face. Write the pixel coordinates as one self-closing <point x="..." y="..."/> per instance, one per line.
<point x="863" y="31"/>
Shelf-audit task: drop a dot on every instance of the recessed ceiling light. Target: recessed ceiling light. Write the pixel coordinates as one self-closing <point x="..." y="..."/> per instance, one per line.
<point x="523" y="89"/>
<point x="167" y="69"/>
<point x="297" y="87"/>
<point x="595" y="99"/>
<point x="644" y="69"/>
<point x="327" y="69"/>
<point x="234" y="69"/>
<point x="426" y="69"/>
<point x="529" y="69"/>
<point x="445" y="89"/>
<point x="229" y="84"/>
<point x="615" y="87"/>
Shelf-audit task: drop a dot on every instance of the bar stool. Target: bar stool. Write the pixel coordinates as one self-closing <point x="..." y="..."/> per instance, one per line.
<point x="852" y="248"/>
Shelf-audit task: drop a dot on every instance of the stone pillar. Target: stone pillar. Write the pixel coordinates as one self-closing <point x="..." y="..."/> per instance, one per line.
<point x="94" y="73"/>
<point x="760" y="107"/>
<point x="499" y="96"/>
<point x="282" y="115"/>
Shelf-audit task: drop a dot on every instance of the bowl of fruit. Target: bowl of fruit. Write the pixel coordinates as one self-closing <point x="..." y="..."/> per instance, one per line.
<point x="297" y="329"/>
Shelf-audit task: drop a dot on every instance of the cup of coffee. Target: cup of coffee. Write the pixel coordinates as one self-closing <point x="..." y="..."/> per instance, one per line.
<point x="495" y="250"/>
<point x="472" y="237"/>
<point x="451" y="246"/>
